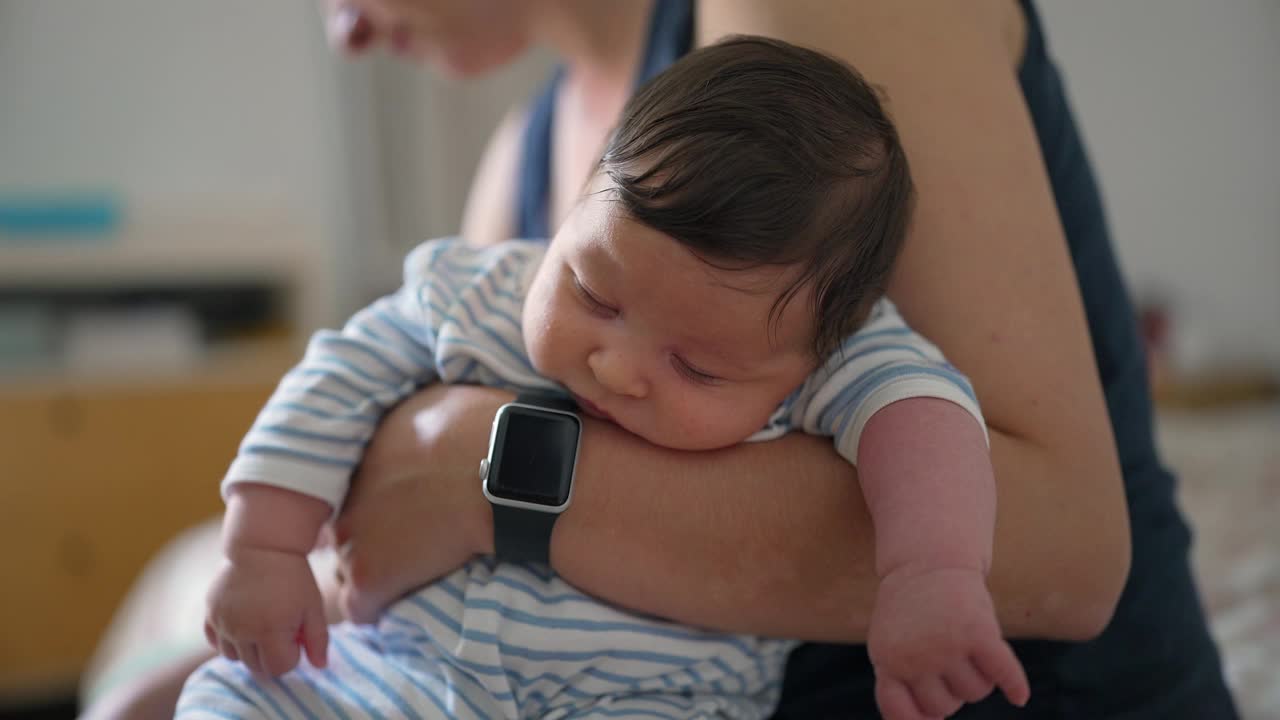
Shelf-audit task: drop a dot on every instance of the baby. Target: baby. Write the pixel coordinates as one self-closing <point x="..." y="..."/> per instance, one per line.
<point x="720" y="280"/>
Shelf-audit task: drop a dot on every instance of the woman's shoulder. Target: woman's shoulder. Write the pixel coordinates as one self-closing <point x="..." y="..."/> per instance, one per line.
<point x="1001" y="25"/>
<point x="489" y="216"/>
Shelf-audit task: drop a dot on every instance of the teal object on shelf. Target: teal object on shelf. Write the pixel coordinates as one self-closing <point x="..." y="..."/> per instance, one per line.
<point x="38" y="217"/>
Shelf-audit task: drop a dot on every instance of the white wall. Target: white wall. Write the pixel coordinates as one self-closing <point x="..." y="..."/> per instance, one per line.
<point x="194" y="109"/>
<point x="1180" y="105"/>
<point x="170" y="102"/>
<point x="434" y="131"/>
<point x="236" y="105"/>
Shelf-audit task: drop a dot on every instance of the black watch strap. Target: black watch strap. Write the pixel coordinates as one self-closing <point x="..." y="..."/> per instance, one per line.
<point x="548" y="399"/>
<point x="521" y="535"/>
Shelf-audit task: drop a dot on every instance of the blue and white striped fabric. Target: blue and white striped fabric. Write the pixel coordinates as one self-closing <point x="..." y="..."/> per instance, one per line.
<point x="885" y="361"/>
<point x="504" y="641"/>
<point x="508" y="641"/>
<point x="456" y="319"/>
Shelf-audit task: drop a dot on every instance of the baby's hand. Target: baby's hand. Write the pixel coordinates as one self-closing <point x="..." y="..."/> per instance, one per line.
<point x="935" y="645"/>
<point x="263" y="604"/>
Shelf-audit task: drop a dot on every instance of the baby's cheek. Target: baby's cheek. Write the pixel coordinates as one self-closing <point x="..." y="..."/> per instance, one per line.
<point x="714" y="420"/>
<point x="540" y="354"/>
<point x="547" y="343"/>
<point x="533" y="329"/>
<point x="747" y="414"/>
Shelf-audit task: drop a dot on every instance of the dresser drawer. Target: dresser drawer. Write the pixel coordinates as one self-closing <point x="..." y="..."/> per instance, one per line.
<point x="92" y="483"/>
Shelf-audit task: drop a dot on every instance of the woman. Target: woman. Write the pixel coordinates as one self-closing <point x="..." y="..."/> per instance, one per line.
<point x="990" y="273"/>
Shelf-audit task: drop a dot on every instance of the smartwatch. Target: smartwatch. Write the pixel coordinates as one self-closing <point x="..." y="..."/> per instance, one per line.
<point x="528" y="476"/>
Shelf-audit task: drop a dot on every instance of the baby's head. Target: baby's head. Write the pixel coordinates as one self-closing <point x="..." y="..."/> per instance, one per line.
<point x="742" y="222"/>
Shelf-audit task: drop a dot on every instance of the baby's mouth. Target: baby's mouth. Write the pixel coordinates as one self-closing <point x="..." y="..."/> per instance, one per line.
<point x="592" y="409"/>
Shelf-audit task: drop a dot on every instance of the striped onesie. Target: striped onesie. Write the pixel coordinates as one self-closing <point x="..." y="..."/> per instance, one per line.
<point x="501" y="640"/>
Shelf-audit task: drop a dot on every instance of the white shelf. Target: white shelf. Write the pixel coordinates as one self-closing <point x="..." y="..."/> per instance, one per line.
<point x="163" y="252"/>
<point x="220" y="249"/>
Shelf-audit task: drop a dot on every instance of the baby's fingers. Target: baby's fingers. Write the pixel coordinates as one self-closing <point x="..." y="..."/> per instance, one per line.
<point x="967" y="683"/>
<point x="997" y="662"/>
<point x="934" y="697"/>
<point x="895" y="701"/>
<point x="228" y="650"/>
<point x="211" y="636"/>
<point x="278" y="655"/>
<point x="314" y="636"/>
<point x="220" y="645"/>
<point x="251" y="658"/>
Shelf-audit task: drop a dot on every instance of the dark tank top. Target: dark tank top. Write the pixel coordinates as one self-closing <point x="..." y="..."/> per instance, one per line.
<point x="1156" y="659"/>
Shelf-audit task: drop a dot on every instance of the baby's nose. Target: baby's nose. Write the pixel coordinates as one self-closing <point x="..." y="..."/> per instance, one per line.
<point x="617" y="374"/>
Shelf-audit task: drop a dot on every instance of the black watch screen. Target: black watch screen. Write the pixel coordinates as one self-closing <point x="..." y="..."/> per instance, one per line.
<point x="536" y="451"/>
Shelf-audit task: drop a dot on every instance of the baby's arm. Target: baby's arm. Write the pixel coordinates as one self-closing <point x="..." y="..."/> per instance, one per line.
<point x="265" y="603"/>
<point x="293" y="467"/>
<point x="910" y="423"/>
<point x="926" y="474"/>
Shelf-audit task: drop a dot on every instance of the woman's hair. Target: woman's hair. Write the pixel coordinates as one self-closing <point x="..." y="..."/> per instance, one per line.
<point x="755" y="152"/>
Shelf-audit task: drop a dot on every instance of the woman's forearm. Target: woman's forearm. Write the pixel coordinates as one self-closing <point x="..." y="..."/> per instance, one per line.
<point x="767" y="538"/>
<point x="774" y="538"/>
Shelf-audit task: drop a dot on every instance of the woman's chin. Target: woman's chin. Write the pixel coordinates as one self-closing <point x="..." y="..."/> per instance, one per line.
<point x="464" y="65"/>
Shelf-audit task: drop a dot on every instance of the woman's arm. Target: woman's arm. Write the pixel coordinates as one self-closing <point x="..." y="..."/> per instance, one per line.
<point x="718" y="539"/>
<point x="986" y="275"/>
<point x="775" y="538"/>
<point x="490" y="213"/>
<point x="770" y="538"/>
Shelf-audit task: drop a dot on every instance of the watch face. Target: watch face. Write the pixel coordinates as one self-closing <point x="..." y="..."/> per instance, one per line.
<point x="534" y="455"/>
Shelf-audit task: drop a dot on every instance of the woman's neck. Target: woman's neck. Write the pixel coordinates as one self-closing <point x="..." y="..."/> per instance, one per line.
<point x="600" y="42"/>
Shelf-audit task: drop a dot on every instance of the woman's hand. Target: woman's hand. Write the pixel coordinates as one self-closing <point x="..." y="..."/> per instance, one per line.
<point x="415" y="511"/>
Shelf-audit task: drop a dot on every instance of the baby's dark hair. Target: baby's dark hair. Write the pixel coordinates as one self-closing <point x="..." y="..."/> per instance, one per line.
<point x="754" y="152"/>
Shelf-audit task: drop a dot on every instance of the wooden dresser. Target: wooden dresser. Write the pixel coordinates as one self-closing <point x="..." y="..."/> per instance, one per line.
<point x="95" y="476"/>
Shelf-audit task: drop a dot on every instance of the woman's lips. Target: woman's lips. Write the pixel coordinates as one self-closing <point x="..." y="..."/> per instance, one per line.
<point x="592" y="408"/>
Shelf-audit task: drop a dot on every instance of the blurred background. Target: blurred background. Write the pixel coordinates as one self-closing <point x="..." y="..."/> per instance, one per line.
<point x="188" y="189"/>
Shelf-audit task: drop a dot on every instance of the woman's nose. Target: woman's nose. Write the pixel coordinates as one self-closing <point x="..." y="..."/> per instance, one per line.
<point x="617" y="373"/>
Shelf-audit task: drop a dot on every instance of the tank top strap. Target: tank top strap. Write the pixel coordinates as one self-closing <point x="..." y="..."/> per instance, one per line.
<point x="669" y="37"/>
